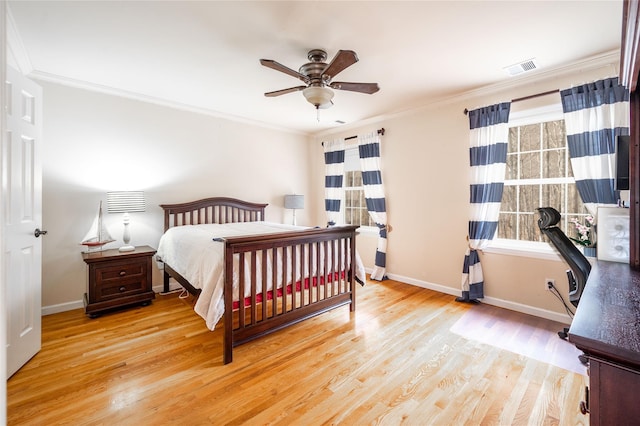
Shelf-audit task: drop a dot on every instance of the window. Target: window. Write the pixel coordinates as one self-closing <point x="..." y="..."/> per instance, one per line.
<point x="355" y="206"/>
<point x="538" y="173"/>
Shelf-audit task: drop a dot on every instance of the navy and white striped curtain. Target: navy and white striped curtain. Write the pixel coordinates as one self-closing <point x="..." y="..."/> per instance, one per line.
<point x="488" y="138"/>
<point x="369" y="151"/>
<point x="594" y="115"/>
<point x="333" y="179"/>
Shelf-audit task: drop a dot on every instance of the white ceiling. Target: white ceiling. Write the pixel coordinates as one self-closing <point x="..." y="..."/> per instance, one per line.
<point x="204" y="55"/>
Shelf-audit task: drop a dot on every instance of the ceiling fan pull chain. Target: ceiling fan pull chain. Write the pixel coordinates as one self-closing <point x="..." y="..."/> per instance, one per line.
<point x="318" y="114"/>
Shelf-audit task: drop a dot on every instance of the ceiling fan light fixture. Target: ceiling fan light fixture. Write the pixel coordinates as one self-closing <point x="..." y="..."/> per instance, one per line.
<point x="320" y="97"/>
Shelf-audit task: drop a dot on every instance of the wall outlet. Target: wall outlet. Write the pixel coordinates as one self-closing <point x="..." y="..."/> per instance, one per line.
<point x="549" y="283"/>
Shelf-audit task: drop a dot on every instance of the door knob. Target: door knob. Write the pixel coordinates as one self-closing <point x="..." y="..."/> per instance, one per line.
<point x="38" y="232"/>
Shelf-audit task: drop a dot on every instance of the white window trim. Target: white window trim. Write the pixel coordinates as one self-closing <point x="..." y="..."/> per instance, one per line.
<point x="351" y="157"/>
<point x="536" y="115"/>
<point x="530" y="249"/>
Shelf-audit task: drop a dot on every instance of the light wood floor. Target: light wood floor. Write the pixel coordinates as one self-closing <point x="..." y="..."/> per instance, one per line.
<point x="393" y="361"/>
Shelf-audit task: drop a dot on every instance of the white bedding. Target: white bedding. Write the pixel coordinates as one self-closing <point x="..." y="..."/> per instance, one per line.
<point x="191" y="251"/>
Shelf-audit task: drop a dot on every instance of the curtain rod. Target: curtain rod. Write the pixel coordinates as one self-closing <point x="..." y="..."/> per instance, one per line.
<point x="524" y="98"/>
<point x="380" y="132"/>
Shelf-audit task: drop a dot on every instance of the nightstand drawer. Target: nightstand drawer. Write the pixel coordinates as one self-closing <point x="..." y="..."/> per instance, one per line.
<point x="118" y="278"/>
<point x="124" y="272"/>
<point x="119" y="288"/>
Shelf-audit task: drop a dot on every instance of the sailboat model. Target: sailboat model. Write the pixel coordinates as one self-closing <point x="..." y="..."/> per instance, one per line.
<point x="98" y="234"/>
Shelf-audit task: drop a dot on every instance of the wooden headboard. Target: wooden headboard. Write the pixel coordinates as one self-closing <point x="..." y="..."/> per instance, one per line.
<point x="212" y="210"/>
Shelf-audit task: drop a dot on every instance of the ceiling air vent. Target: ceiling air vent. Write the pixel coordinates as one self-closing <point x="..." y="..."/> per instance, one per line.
<point x="524" y="66"/>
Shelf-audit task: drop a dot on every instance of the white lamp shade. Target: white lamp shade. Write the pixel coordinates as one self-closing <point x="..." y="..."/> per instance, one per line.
<point x="125" y="201"/>
<point x="294" y="201"/>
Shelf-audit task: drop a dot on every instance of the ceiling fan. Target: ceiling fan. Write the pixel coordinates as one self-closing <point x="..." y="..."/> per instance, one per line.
<point x="318" y="77"/>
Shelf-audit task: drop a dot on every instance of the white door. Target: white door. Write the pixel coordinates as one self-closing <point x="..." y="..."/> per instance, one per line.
<point x="22" y="204"/>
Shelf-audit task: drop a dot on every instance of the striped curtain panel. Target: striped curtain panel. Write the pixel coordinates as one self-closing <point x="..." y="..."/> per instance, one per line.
<point x="488" y="137"/>
<point x="369" y="151"/>
<point x="594" y="115"/>
<point x="333" y="179"/>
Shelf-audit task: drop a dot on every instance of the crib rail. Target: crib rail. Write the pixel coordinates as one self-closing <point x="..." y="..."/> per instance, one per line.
<point x="286" y="278"/>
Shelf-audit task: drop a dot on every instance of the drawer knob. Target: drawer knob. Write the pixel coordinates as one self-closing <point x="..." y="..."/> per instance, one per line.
<point x="583" y="407"/>
<point x="123" y="288"/>
<point x="123" y="273"/>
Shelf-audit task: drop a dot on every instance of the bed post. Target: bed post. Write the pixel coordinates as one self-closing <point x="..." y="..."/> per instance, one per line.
<point x="352" y="274"/>
<point x="227" y="345"/>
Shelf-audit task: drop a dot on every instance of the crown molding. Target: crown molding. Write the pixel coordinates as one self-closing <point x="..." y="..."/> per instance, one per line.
<point x="607" y="59"/>
<point x="93" y="87"/>
<point x="17" y="54"/>
<point x="17" y="50"/>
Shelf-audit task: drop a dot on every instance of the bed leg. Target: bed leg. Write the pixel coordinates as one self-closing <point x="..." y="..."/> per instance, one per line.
<point x="227" y="348"/>
<point x="166" y="281"/>
<point x="352" y="283"/>
<point x="352" y="305"/>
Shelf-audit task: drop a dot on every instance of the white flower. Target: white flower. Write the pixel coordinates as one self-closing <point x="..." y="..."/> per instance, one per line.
<point x="583" y="231"/>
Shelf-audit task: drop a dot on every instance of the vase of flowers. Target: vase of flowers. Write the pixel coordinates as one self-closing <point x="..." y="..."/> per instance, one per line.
<point x="586" y="236"/>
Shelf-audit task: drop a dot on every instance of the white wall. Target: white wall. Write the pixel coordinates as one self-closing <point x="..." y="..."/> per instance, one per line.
<point x="425" y="159"/>
<point x="96" y="143"/>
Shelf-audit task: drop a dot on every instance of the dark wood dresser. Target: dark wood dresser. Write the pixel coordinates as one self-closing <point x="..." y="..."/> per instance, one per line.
<point x="118" y="279"/>
<point x="607" y="328"/>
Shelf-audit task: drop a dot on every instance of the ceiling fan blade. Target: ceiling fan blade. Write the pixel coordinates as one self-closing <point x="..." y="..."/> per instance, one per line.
<point x="356" y="87"/>
<point x="284" y="91"/>
<point x="342" y="60"/>
<point x="279" y="67"/>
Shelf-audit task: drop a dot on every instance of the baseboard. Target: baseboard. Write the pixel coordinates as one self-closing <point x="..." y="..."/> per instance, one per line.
<point x="506" y="304"/>
<point x="173" y="286"/>
<point x="79" y="304"/>
<point x="62" y="307"/>
<point x="425" y="284"/>
<point x="530" y="310"/>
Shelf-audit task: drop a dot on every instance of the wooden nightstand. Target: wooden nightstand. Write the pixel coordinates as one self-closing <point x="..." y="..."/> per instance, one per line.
<point x="118" y="279"/>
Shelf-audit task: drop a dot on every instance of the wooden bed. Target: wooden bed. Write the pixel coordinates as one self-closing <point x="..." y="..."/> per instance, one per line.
<point x="328" y="283"/>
